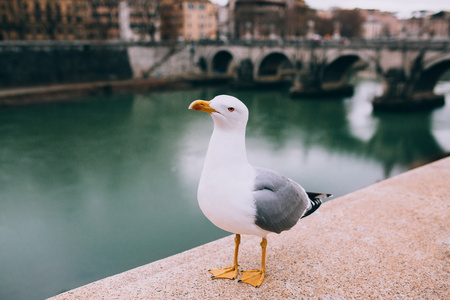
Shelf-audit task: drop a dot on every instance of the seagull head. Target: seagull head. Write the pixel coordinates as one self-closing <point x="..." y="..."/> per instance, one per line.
<point x="228" y="112"/>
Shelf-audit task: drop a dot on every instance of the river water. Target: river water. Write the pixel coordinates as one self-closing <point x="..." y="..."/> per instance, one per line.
<point x="94" y="188"/>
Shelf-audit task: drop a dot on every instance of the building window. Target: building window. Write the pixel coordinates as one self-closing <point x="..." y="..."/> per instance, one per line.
<point x="201" y="6"/>
<point x="191" y="6"/>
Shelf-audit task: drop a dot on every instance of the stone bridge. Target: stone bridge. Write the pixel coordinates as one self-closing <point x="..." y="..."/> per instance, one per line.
<point x="409" y="69"/>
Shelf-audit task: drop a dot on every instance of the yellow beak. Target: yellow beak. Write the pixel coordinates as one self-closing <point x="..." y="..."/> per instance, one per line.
<point x="202" y="105"/>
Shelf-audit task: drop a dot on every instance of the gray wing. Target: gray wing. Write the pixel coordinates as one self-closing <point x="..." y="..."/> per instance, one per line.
<point x="279" y="201"/>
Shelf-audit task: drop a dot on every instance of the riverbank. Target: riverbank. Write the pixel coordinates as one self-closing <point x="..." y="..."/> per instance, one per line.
<point x="58" y="93"/>
<point x="389" y="240"/>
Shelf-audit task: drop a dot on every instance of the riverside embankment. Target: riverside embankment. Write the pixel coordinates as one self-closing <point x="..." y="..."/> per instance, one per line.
<point x="58" y="93"/>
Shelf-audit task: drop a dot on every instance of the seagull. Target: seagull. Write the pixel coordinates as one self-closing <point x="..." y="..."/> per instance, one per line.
<point x="240" y="198"/>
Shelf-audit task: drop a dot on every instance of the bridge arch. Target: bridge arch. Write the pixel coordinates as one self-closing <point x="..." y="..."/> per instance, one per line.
<point x="222" y="62"/>
<point x="431" y="74"/>
<point x="436" y="59"/>
<point x="337" y="70"/>
<point x="272" y="66"/>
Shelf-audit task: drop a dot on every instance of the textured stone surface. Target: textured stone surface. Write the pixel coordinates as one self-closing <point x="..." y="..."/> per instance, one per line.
<point x="390" y="240"/>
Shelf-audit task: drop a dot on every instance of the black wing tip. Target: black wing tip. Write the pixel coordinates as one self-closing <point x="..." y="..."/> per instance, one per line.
<point x="316" y="202"/>
<point x="313" y="195"/>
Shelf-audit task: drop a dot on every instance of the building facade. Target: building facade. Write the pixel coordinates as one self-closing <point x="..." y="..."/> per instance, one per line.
<point x="268" y="19"/>
<point x="43" y="19"/>
<point x="75" y="19"/>
<point x="380" y="24"/>
<point x="183" y="20"/>
<point x="192" y="20"/>
<point x="259" y="20"/>
<point x="439" y="25"/>
<point x="139" y="20"/>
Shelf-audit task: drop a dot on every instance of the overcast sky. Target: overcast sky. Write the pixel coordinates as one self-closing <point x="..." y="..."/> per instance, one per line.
<point x="404" y="8"/>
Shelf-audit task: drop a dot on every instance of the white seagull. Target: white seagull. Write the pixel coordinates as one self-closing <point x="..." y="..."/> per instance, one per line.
<point x="242" y="199"/>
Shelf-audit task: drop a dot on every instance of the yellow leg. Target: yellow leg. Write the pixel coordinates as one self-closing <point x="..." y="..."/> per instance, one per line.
<point x="256" y="277"/>
<point x="230" y="272"/>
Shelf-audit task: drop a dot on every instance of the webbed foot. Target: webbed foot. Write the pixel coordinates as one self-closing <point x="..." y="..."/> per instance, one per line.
<point x="226" y="273"/>
<point x="254" y="278"/>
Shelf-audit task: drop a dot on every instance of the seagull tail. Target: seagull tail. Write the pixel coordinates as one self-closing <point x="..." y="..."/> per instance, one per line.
<point x="316" y="201"/>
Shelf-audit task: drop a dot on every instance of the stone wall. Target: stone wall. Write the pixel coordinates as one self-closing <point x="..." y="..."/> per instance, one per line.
<point x="37" y="63"/>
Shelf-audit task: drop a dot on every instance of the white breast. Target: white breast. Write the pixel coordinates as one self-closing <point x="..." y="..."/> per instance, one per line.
<point x="225" y="198"/>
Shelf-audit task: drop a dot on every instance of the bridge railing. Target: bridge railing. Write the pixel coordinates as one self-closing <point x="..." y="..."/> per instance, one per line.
<point x="438" y="45"/>
<point x="341" y="43"/>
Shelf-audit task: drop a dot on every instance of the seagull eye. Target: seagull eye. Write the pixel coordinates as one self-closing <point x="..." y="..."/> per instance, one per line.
<point x="230" y="109"/>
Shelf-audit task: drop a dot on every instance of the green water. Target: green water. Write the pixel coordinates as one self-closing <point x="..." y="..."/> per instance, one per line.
<point x="91" y="189"/>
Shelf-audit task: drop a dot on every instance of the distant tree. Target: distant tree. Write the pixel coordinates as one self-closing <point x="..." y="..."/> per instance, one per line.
<point x="297" y="21"/>
<point x="323" y="26"/>
<point x="351" y="22"/>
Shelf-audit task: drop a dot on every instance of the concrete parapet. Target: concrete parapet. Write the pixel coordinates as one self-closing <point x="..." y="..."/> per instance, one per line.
<point x="390" y="240"/>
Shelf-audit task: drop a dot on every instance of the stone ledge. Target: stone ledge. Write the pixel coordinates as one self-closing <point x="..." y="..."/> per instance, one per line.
<point x="389" y="240"/>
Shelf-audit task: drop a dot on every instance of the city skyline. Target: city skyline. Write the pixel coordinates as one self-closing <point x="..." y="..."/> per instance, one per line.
<point x="403" y="8"/>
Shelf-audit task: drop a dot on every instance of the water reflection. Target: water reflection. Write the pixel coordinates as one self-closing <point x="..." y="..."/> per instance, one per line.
<point x="404" y="143"/>
<point x="92" y="189"/>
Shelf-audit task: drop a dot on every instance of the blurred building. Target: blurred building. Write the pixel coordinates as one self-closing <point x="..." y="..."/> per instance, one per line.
<point x="337" y="23"/>
<point x="439" y="25"/>
<point x="102" y="21"/>
<point x="379" y="24"/>
<point x="267" y="19"/>
<point x="425" y="25"/>
<point x="43" y="19"/>
<point x="105" y="21"/>
<point x="188" y="20"/>
<point x="192" y="20"/>
<point x="412" y="28"/>
<point x="74" y="19"/>
<point x="223" y="21"/>
<point x="298" y="14"/>
<point x="139" y="20"/>
<point x="263" y="19"/>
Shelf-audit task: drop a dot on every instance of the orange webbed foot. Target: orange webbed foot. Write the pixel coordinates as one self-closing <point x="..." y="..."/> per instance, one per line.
<point x="226" y="273"/>
<point x="254" y="278"/>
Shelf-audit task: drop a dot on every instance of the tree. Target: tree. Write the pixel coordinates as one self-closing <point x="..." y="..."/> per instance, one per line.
<point x="323" y="26"/>
<point x="350" y="20"/>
